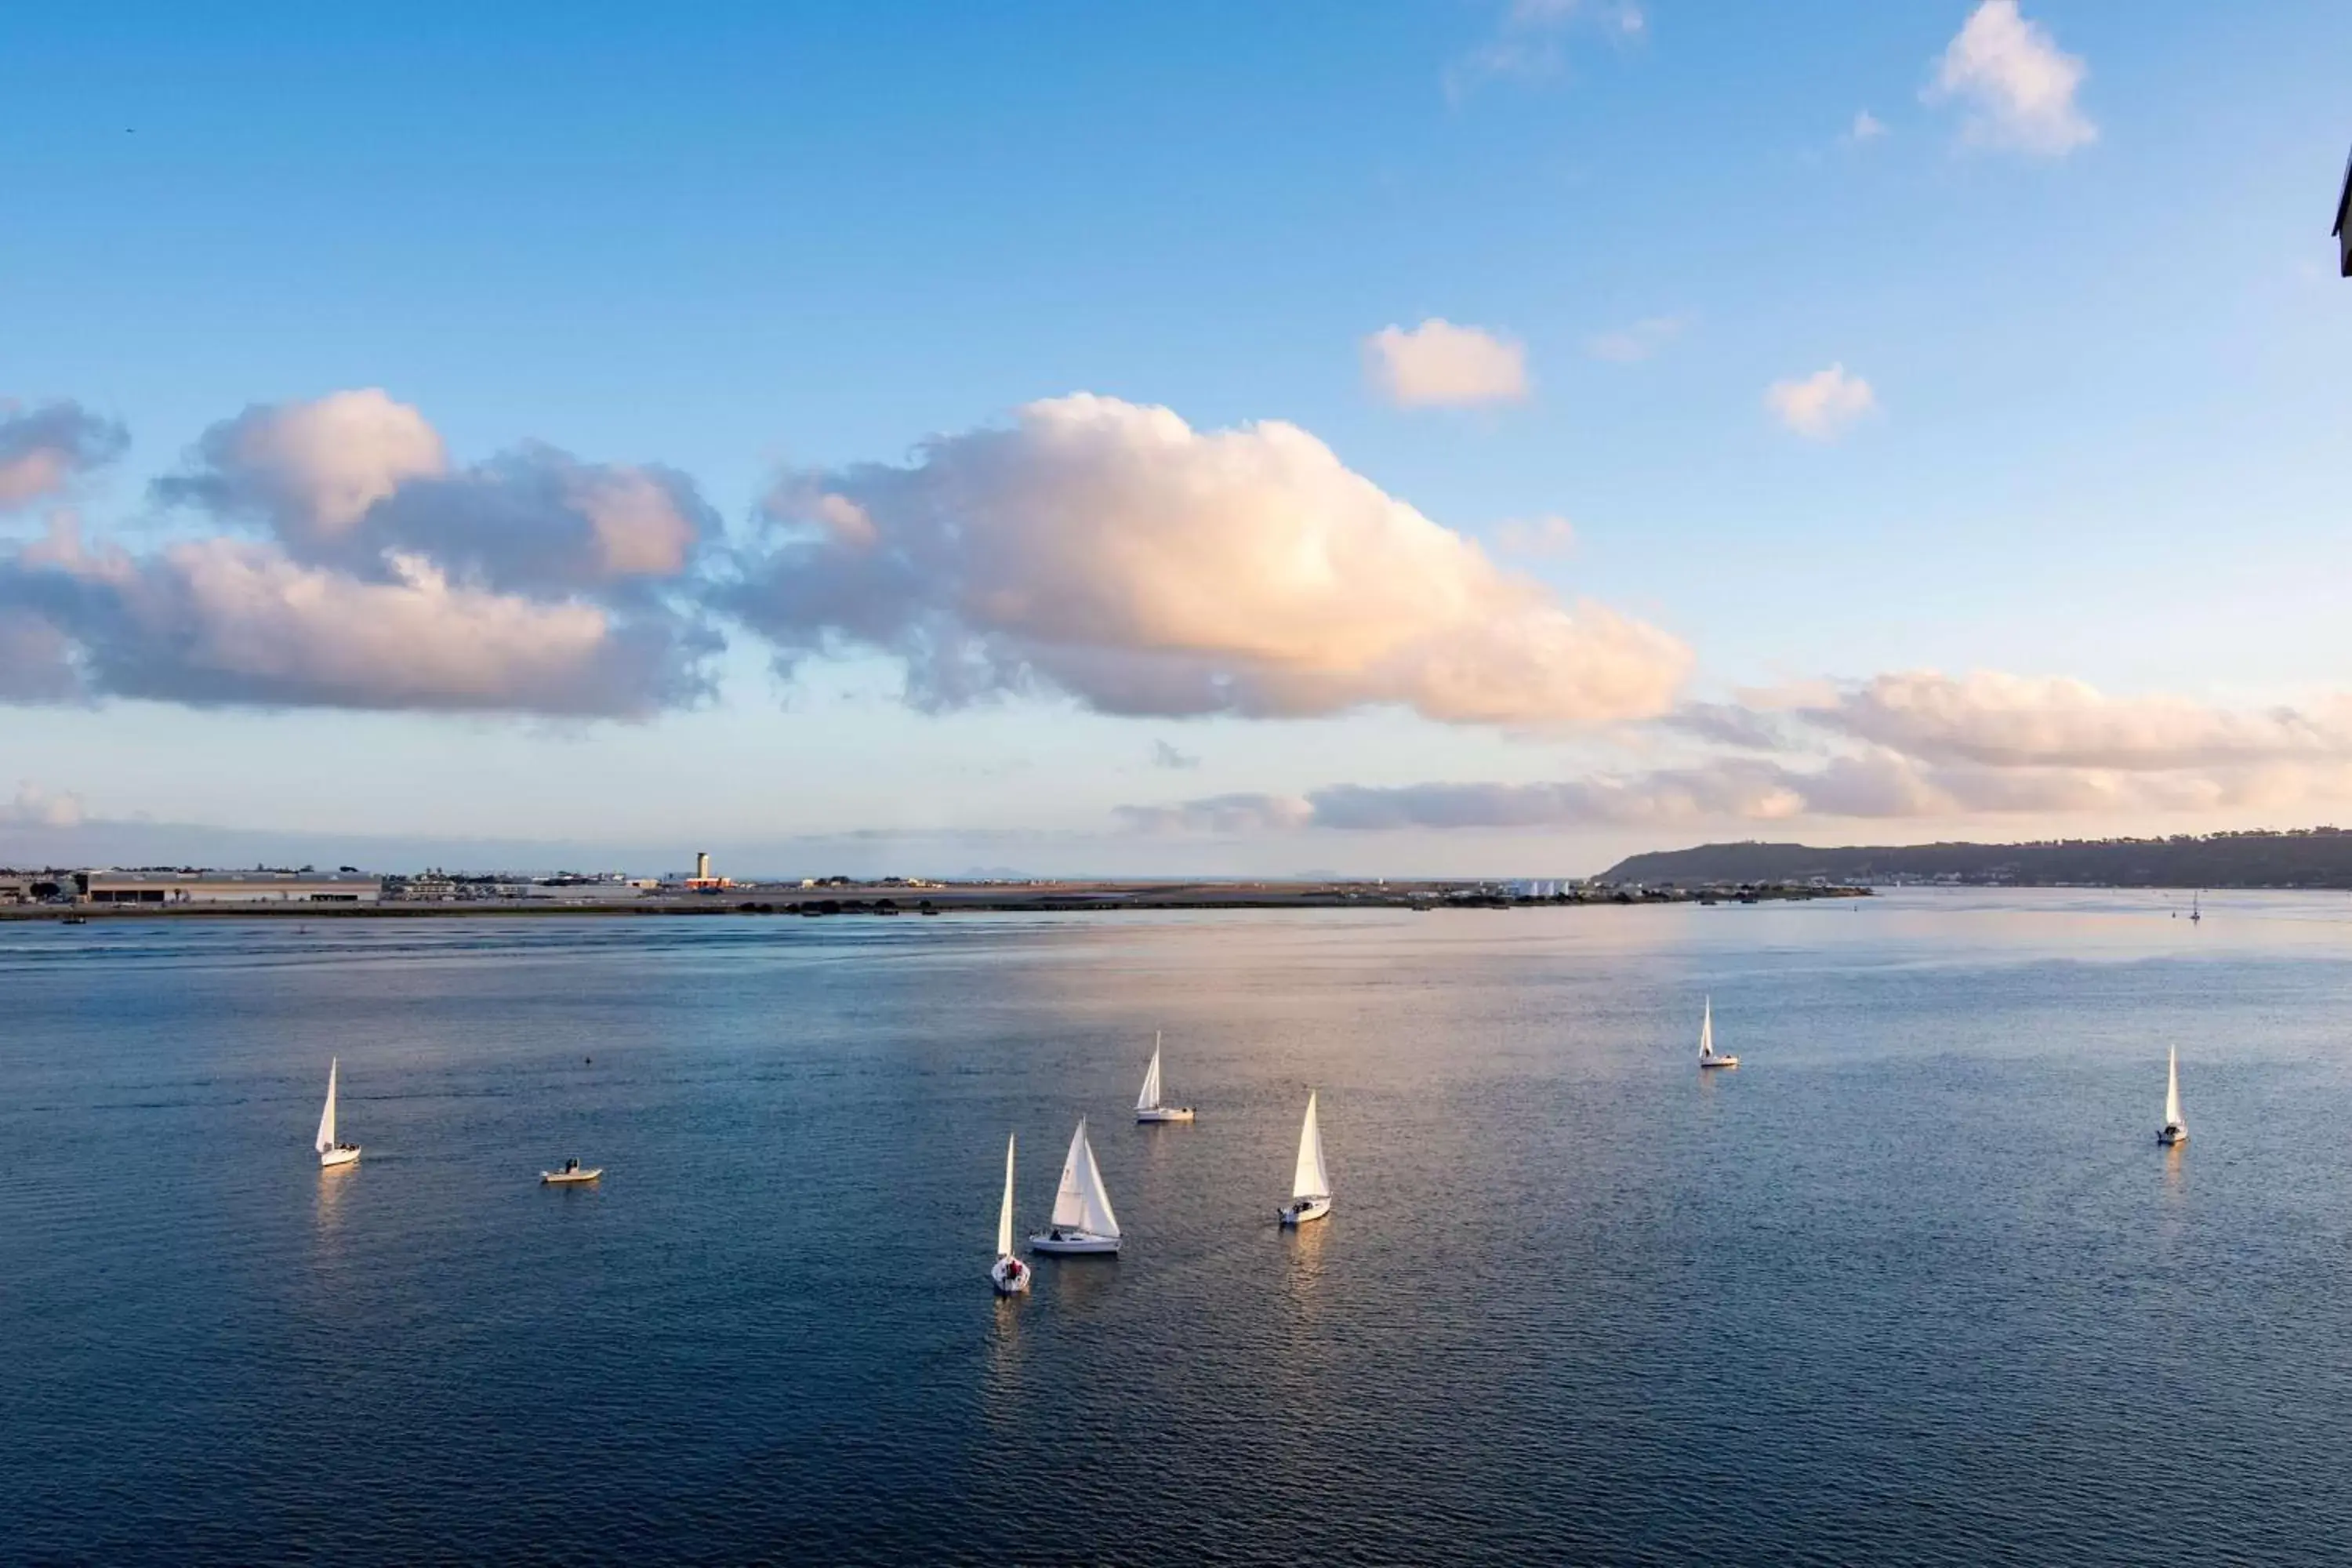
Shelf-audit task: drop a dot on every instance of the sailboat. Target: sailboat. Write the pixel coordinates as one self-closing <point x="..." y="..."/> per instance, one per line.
<point x="2176" y="1130"/>
<point x="1706" y="1057"/>
<point x="1010" y="1274"/>
<point x="329" y="1152"/>
<point x="1311" y="1181"/>
<point x="2195" y="912"/>
<point x="1083" y="1222"/>
<point x="1146" y="1103"/>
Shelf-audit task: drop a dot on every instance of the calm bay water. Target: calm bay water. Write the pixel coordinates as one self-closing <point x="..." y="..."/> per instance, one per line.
<point x="1914" y="1284"/>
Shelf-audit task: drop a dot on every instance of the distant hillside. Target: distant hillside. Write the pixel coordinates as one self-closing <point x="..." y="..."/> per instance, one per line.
<point x="2305" y="857"/>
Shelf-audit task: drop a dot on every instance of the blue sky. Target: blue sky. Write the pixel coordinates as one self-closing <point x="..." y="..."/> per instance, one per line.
<point x="2095" y="467"/>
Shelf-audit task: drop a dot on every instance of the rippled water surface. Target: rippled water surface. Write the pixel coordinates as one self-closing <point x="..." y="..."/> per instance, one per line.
<point x="1914" y="1283"/>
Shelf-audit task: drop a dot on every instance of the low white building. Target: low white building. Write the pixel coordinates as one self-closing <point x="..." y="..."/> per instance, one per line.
<point x="229" y="887"/>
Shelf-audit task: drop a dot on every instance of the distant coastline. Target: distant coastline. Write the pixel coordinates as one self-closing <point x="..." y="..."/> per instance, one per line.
<point x="2311" y="859"/>
<point x="890" y="900"/>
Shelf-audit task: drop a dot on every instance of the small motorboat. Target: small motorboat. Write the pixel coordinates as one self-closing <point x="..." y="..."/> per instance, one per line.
<point x="571" y="1175"/>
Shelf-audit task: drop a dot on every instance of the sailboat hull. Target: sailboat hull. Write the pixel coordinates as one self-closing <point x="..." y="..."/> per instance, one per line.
<point x="2173" y="1135"/>
<point x="1302" y="1212"/>
<point x="1165" y="1114"/>
<point x="341" y="1154"/>
<point x="1011" y="1275"/>
<point x="1706" y="1062"/>
<point x="1073" y="1244"/>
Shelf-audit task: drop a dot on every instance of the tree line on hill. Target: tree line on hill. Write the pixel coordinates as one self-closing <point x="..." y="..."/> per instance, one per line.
<point x="2303" y="857"/>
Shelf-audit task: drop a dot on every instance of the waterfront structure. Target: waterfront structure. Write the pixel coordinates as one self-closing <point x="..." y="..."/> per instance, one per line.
<point x="227" y="887"/>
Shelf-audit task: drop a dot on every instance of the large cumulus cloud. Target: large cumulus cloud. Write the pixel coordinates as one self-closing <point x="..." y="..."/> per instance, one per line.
<point x="364" y="569"/>
<point x="1111" y="552"/>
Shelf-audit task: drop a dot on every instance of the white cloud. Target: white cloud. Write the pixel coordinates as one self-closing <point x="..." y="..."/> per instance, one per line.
<point x="1536" y="537"/>
<point x="1916" y="745"/>
<point x="1525" y="44"/>
<point x="2017" y="87"/>
<point x="393" y="578"/>
<point x="1642" y="339"/>
<point x="348" y="477"/>
<point x="1221" y="813"/>
<point x="1164" y="755"/>
<point x="2009" y="720"/>
<point x="37" y="807"/>
<point x="1866" y="128"/>
<point x="1111" y="552"/>
<point x="311" y="469"/>
<point x="44" y="449"/>
<point x="1439" y="364"/>
<point x="219" y="621"/>
<point x="1823" y="406"/>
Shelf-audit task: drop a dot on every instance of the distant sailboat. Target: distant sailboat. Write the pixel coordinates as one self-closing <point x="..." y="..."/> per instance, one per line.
<point x="2176" y="1130"/>
<point x="2194" y="913"/>
<point x="1083" y="1222"/>
<point x="1310" y="1180"/>
<point x="1011" y="1275"/>
<point x="1706" y="1057"/>
<point x="1146" y="1103"/>
<point x="329" y="1152"/>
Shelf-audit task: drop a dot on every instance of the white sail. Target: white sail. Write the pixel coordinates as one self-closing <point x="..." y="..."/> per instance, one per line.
<point x="1004" y="1214"/>
<point x="1080" y="1201"/>
<point x="327" y="1118"/>
<point x="1149" y="1099"/>
<point x="2172" y="1089"/>
<point x="1100" y="1220"/>
<point x="1707" y="1031"/>
<point x="1310" y="1180"/>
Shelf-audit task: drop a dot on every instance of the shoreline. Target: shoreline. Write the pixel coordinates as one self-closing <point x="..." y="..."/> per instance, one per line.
<point x="894" y="902"/>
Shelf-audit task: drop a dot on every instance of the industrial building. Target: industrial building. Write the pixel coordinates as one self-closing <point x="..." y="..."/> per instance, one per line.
<point x="227" y="887"/>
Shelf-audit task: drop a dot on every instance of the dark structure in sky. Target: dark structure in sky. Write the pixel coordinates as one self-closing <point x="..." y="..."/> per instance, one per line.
<point x="2342" y="226"/>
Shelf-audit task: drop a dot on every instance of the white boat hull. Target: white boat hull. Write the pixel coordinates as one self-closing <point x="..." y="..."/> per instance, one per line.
<point x="1305" y="1210"/>
<point x="569" y="1178"/>
<point x="340" y="1154"/>
<point x="1073" y="1244"/>
<point x="1706" y="1062"/>
<point x="2173" y="1135"/>
<point x="1011" y="1275"/>
<point x="1165" y="1114"/>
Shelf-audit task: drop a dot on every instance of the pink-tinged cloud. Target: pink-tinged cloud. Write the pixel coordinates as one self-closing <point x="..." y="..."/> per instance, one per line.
<point x="344" y="478"/>
<point x="1438" y="364"/>
<point x="1916" y="745"/>
<point x="35" y="806"/>
<point x="2017" y="86"/>
<point x="1824" y="405"/>
<point x="44" y="449"/>
<point x="223" y="621"/>
<point x="2009" y="720"/>
<point x="1110" y="551"/>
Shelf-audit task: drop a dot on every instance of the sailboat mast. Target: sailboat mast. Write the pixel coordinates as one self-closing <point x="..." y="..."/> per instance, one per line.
<point x="1004" y="1214"/>
<point x="326" y="1139"/>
